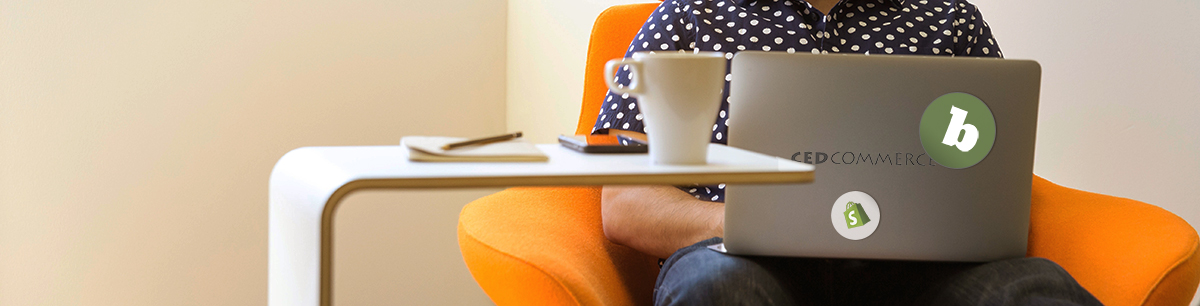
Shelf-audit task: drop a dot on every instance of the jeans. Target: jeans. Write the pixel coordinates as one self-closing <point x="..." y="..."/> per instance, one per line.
<point x="696" y="275"/>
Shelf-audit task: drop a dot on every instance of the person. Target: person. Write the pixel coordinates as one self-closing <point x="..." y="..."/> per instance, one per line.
<point x="677" y="223"/>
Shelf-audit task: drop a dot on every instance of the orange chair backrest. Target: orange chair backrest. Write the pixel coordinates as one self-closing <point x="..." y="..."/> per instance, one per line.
<point x="611" y="35"/>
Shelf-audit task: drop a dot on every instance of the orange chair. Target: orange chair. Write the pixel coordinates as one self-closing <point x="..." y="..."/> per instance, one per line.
<point x="545" y="246"/>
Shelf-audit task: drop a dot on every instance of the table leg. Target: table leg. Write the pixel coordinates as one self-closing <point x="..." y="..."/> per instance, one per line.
<point x="300" y="231"/>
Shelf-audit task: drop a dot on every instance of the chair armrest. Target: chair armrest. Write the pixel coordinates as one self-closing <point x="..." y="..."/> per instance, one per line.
<point x="1123" y="251"/>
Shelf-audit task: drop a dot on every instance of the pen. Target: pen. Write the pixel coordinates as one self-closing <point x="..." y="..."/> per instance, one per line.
<point x="480" y="141"/>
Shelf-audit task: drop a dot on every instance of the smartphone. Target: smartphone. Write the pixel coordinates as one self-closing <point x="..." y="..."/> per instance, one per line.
<point x="603" y="143"/>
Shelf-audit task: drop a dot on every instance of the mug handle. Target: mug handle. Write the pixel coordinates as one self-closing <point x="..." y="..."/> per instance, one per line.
<point x="635" y="73"/>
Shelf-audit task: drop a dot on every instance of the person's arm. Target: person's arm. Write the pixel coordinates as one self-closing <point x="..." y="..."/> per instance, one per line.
<point x="658" y="220"/>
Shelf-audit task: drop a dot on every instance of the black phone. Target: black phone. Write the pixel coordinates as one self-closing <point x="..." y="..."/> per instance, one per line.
<point x="603" y="144"/>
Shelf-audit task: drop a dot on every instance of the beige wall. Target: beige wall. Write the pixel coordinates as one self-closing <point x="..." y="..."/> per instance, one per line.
<point x="1120" y="90"/>
<point x="136" y="139"/>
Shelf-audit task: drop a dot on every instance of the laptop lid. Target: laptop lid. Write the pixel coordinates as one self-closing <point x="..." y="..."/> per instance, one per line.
<point x="878" y="130"/>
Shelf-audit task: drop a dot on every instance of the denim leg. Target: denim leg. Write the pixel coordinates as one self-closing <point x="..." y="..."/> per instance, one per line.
<point x="1024" y="281"/>
<point x="696" y="275"/>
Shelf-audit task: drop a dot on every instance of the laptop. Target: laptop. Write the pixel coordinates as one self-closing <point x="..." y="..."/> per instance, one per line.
<point x="917" y="157"/>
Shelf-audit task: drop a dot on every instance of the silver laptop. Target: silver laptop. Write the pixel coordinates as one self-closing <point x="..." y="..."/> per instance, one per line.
<point x="917" y="157"/>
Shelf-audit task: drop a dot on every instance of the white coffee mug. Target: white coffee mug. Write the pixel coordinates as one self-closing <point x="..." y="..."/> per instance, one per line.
<point x="679" y="94"/>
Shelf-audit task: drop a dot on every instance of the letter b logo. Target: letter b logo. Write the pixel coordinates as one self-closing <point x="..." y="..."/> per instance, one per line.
<point x="957" y="119"/>
<point x="957" y="130"/>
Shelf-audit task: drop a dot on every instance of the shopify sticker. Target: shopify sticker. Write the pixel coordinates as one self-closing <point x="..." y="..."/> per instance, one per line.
<point x="855" y="215"/>
<point x="957" y="130"/>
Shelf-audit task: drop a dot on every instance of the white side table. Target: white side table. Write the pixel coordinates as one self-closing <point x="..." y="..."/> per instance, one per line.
<point x="308" y="184"/>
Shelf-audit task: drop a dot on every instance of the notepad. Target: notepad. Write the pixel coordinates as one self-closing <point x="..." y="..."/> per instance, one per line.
<point x="429" y="149"/>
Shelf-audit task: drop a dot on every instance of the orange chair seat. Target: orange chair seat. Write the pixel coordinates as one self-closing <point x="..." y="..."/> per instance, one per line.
<point x="545" y="246"/>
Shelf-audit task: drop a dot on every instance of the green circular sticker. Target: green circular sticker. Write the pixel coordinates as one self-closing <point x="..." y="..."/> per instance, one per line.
<point x="957" y="130"/>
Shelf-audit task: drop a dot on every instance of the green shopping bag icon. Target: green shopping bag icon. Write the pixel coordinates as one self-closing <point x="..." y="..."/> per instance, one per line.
<point x="855" y="215"/>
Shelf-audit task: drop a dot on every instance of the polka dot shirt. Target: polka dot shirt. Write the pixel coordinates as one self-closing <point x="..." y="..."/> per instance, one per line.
<point x="926" y="27"/>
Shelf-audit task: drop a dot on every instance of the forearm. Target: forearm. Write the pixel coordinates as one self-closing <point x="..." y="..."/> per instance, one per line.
<point x="658" y="220"/>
